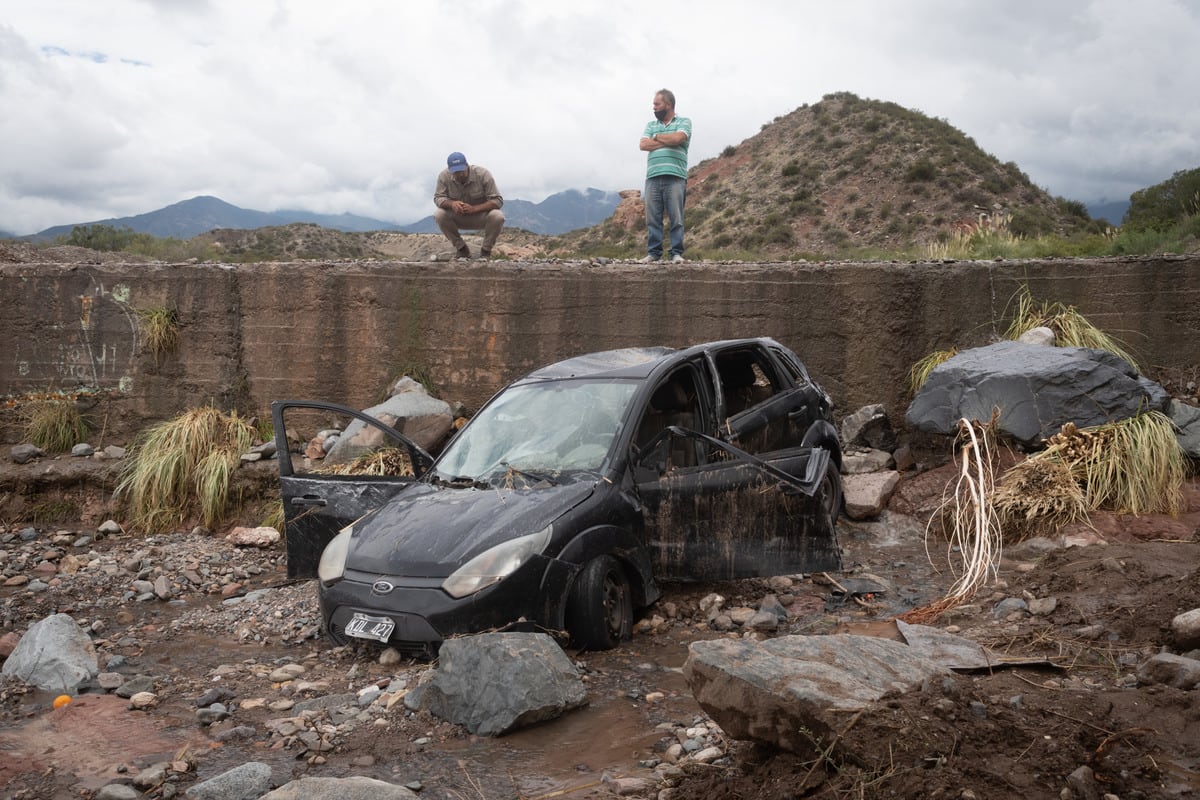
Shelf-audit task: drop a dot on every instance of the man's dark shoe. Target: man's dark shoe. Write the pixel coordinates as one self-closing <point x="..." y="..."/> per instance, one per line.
<point x="463" y="252"/>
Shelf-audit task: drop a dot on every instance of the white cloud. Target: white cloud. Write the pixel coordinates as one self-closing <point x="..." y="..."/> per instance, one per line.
<point x="122" y="107"/>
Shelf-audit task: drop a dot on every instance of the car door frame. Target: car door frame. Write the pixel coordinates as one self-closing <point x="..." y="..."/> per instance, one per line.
<point x="689" y="513"/>
<point x="316" y="507"/>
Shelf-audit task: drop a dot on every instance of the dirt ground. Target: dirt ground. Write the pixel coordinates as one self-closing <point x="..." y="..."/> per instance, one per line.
<point x="1083" y="725"/>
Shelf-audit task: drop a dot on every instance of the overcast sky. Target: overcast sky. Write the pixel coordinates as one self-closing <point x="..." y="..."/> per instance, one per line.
<point x="114" y="108"/>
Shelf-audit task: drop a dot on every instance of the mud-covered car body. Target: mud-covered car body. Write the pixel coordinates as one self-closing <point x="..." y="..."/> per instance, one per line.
<point x="571" y="494"/>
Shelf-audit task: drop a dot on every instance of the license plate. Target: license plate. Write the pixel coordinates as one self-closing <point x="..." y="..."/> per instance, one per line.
<point x="364" y="626"/>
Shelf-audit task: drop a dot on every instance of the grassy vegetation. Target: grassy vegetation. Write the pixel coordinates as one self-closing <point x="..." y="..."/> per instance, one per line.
<point x="1071" y="329"/>
<point x="159" y="328"/>
<point x="52" y="422"/>
<point x="180" y="469"/>
<point x="1133" y="466"/>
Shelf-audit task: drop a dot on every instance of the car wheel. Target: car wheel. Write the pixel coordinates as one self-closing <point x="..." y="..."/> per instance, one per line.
<point x="600" y="606"/>
<point x="829" y="494"/>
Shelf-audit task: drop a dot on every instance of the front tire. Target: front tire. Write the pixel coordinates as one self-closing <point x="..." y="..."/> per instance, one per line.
<point x="829" y="494"/>
<point x="600" y="606"/>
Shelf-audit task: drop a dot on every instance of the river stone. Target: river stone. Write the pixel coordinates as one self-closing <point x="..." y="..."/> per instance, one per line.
<point x="247" y="782"/>
<point x="495" y="682"/>
<point x="796" y="693"/>
<point x="55" y="655"/>
<point x="355" y="788"/>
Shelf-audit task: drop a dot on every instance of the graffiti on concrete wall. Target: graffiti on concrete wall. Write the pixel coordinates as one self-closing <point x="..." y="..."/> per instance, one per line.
<point x="92" y="344"/>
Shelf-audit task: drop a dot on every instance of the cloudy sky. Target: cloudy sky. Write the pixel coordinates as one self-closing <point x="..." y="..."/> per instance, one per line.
<point x="120" y="107"/>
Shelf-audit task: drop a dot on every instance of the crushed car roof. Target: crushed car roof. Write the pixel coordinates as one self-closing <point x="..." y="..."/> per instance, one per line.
<point x="627" y="362"/>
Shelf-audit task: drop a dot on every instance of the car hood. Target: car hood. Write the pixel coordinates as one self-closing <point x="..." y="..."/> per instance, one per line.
<point x="429" y="531"/>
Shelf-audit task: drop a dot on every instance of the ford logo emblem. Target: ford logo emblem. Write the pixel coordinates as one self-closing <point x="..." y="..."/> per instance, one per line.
<point x="381" y="587"/>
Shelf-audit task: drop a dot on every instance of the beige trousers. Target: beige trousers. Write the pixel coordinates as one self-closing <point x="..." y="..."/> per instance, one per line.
<point x="490" y="222"/>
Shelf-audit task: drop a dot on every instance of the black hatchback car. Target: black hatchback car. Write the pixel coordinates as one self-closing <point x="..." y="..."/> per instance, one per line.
<point x="566" y="500"/>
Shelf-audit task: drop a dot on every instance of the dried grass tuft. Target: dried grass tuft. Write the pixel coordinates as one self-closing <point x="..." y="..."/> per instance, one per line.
<point x="1132" y="466"/>
<point x="1037" y="497"/>
<point x="388" y="461"/>
<point x="1071" y="329"/>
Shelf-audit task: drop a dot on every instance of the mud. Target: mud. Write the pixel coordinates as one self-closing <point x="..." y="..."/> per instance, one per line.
<point x="1015" y="733"/>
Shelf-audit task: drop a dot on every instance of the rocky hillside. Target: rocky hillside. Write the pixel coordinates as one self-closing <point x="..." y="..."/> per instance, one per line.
<point x="845" y="176"/>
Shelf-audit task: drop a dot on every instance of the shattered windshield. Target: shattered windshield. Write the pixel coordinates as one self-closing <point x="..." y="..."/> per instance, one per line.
<point x="539" y="430"/>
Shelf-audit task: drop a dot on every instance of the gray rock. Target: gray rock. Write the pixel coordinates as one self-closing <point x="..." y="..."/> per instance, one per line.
<point x="247" y="782"/>
<point x="355" y="788"/>
<point x="1185" y="628"/>
<point x="118" y="791"/>
<point x="793" y="692"/>
<point x="24" y="453"/>
<point x="1008" y="605"/>
<point x="1037" y="390"/>
<point x="495" y="682"/>
<point x="55" y="655"/>
<point x="1187" y="425"/>
<point x="1170" y="669"/>
<point x="421" y="418"/>
<point x="856" y="462"/>
<point x="868" y="427"/>
<point x="866" y="496"/>
<point x="1040" y="335"/>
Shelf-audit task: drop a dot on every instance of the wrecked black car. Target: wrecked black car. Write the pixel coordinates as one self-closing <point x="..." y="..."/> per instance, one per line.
<point x="566" y="500"/>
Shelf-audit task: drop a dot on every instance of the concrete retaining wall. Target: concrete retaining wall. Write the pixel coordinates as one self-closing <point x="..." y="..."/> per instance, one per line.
<point x="342" y="331"/>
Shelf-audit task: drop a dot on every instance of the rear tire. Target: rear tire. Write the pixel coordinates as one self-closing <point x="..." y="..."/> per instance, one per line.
<point x="600" y="606"/>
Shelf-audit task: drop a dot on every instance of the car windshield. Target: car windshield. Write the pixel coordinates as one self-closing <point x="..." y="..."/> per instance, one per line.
<point x="539" y="430"/>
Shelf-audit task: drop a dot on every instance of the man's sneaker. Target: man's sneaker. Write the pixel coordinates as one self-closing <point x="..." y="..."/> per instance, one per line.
<point x="677" y="259"/>
<point x="647" y="259"/>
<point x="484" y="255"/>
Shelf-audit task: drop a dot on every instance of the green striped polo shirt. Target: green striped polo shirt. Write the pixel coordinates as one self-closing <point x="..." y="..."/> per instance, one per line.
<point x="668" y="160"/>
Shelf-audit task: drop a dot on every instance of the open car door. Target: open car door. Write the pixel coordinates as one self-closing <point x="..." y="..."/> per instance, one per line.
<point x="737" y="516"/>
<point x="335" y="465"/>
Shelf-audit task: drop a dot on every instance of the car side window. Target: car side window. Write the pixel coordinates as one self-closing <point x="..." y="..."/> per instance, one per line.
<point x="675" y="402"/>
<point x="790" y="368"/>
<point x="747" y="379"/>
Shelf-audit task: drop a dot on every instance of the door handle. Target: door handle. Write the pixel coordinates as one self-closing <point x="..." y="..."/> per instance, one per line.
<point x="308" y="500"/>
<point x="799" y="412"/>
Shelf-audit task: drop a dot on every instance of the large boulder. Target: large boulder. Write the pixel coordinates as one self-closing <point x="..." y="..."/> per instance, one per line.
<point x="496" y="682"/>
<point x="423" y="419"/>
<point x="796" y="693"/>
<point x="55" y="655"/>
<point x="1036" y="389"/>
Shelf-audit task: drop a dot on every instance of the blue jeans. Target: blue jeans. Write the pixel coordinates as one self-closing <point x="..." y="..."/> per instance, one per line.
<point x="664" y="193"/>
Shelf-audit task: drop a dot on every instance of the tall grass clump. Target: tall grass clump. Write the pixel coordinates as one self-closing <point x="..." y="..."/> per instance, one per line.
<point x="181" y="468"/>
<point x="919" y="373"/>
<point x="159" y="328"/>
<point x="1071" y="329"/>
<point x="53" y="423"/>
<point x="1132" y="466"/>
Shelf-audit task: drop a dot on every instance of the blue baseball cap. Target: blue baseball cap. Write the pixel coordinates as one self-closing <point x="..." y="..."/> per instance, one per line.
<point x="457" y="162"/>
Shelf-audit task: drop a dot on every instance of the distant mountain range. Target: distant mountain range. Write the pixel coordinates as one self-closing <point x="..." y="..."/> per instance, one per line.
<point x="558" y="213"/>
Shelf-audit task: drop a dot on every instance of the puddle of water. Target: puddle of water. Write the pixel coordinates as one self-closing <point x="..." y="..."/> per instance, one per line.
<point x="89" y="737"/>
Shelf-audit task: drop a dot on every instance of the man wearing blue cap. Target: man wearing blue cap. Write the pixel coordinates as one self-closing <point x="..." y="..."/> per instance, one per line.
<point x="467" y="199"/>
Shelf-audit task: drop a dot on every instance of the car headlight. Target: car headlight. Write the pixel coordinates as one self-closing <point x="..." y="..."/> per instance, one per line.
<point x="496" y="564"/>
<point x="333" y="558"/>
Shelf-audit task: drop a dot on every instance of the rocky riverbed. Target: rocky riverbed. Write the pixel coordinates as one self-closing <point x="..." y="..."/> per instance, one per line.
<point x="210" y="658"/>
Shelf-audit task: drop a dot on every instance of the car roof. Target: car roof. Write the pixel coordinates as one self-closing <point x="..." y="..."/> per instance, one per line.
<point x="629" y="362"/>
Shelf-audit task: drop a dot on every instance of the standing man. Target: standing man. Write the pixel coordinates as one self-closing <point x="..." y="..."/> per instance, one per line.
<point x="467" y="199"/>
<point x="665" y="141"/>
